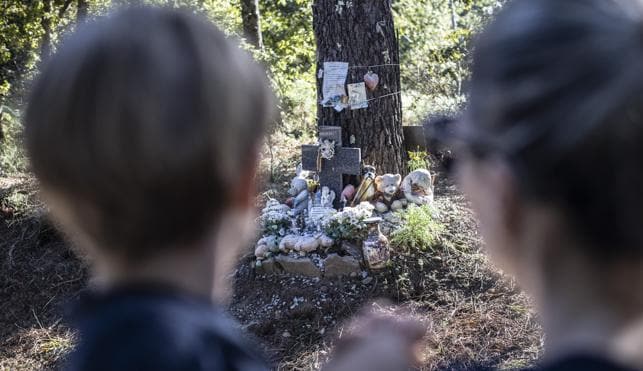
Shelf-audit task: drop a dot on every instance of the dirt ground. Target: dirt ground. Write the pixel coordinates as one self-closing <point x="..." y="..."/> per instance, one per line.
<point x="474" y="315"/>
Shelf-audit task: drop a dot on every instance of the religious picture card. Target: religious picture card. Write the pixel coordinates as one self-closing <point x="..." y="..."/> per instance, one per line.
<point x="357" y="96"/>
<point x="333" y="86"/>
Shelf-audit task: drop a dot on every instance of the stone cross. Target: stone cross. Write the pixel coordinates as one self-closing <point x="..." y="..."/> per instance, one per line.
<point x="345" y="161"/>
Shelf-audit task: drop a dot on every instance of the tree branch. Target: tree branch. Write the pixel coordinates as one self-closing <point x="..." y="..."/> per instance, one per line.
<point x="64" y="8"/>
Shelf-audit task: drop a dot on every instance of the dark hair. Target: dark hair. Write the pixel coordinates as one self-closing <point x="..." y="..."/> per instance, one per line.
<point x="145" y="121"/>
<point x="557" y="89"/>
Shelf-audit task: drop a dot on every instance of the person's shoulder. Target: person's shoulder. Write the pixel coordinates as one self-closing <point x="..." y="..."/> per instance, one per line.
<point x="158" y="332"/>
<point x="582" y="362"/>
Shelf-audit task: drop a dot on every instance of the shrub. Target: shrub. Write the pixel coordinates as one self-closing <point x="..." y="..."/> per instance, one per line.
<point x="419" y="230"/>
<point x="418" y="160"/>
<point x="12" y="156"/>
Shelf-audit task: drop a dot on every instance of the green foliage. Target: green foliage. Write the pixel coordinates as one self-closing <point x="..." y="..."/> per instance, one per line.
<point x="289" y="53"/>
<point x="420" y="229"/>
<point x="12" y="157"/>
<point x="20" y="34"/>
<point x="418" y="160"/>
<point x="435" y="37"/>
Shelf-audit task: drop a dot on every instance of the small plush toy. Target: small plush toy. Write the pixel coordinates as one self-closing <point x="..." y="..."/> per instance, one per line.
<point x="418" y="187"/>
<point x="348" y="194"/>
<point x="299" y="190"/>
<point x="366" y="189"/>
<point x="388" y="195"/>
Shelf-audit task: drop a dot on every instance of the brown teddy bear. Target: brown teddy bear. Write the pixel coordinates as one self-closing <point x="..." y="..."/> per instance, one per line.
<point x="388" y="196"/>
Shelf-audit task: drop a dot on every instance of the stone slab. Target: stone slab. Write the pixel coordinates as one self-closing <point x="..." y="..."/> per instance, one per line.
<point x="300" y="265"/>
<point x="338" y="266"/>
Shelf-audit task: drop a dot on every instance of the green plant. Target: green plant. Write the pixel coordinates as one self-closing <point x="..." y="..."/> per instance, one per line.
<point x="418" y="160"/>
<point x="420" y="229"/>
<point x="12" y="157"/>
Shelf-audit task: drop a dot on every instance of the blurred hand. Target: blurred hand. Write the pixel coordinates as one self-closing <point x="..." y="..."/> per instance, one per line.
<point x="378" y="342"/>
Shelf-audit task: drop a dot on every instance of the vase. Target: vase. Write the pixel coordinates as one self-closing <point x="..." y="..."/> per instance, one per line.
<point x="376" y="247"/>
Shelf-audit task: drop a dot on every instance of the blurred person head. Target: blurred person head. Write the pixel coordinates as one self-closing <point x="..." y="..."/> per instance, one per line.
<point x="144" y="131"/>
<point x="553" y="163"/>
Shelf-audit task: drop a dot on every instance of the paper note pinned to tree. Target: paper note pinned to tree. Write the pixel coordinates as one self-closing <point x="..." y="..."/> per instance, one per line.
<point x="334" y="80"/>
<point x="357" y="96"/>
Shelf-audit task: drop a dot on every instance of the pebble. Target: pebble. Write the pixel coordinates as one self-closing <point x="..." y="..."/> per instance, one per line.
<point x="367" y="280"/>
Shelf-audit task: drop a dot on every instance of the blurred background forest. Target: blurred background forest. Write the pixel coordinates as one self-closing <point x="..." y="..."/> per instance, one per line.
<point x="434" y="37"/>
<point x="480" y="317"/>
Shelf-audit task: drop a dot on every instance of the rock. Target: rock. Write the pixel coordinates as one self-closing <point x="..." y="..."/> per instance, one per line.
<point x="303" y="266"/>
<point x="268" y="266"/>
<point x="392" y="218"/>
<point x="337" y="266"/>
<point x="352" y="250"/>
<point x="367" y="280"/>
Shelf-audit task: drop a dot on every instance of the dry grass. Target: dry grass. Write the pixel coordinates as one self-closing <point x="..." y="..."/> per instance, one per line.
<point x="474" y="315"/>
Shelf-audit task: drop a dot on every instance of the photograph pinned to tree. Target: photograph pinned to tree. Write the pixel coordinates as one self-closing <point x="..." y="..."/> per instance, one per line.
<point x="357" y="96"/>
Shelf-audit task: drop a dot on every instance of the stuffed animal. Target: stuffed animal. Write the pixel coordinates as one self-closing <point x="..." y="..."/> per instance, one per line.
<point x="388" y="195"/>
<point x="418" y="187"/>
<point x="348" y="194"/>
<point x="299" y="190"/>
<point x="366" y="189"/>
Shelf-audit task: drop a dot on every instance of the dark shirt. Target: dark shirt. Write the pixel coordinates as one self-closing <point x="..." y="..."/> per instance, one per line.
<point x="584" y="363"/>
<point x="157" y="329"/>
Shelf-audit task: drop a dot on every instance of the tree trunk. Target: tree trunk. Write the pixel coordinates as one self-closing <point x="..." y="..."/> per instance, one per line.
<point x="1" y="131"/>
<point x="362" y="33"/>
<point x="82" y="8"/>
<point x="46" y="23"/>
<point x="251" y="20"/>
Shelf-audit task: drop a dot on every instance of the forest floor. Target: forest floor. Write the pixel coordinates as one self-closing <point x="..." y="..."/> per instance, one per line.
<point x="475" y="316"/>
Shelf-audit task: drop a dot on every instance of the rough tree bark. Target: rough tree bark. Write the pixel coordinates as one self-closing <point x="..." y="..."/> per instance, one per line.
<point x="362" y="33"/>
<point x="251" y="20"/>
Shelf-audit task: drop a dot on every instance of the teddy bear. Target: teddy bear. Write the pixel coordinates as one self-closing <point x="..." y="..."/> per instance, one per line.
<point x="388" y="196"/>
<point x="299" y="191"/>
<point x="418" y="187"/>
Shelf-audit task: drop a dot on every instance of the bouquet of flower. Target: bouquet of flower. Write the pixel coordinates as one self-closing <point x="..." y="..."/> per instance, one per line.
<point x="275" y="218"/>
<point x="348" y="224"/>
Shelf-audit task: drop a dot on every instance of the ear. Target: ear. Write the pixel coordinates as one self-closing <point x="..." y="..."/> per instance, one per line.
<point x="398" y="178"/>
